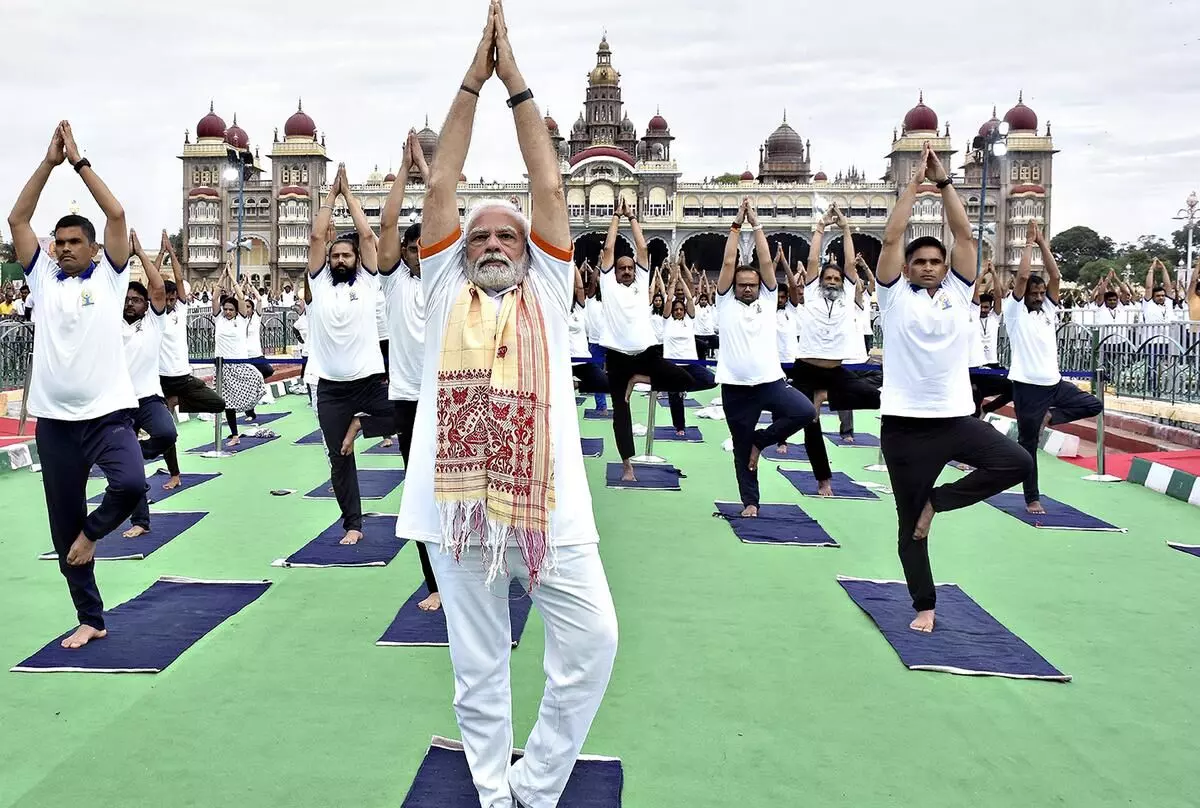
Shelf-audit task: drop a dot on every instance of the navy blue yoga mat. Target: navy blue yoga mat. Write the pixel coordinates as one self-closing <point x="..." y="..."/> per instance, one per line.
<point x="148" y="633"/>
<point x="163" y="528"/>
<point x="1192" y="549"/>
<point x="594" y="415"/>
<point x="1058" y="515"/>
<point x="691" y="434"/>
<point x="376" y="548"/>
<point x="796" y="453"/>
<point x="372" y="484"/>
<point x="444" y="781"/>
<point x="415" y="627"/>
<point x="965" y="639"/>
<point x="380" y="449"/>
<point x="649" y="476"/>
<point x="579" y="400"/>
<point x="843" y="487"/>
<point x="263" y="418"/>
<point x="775" y="524"/>
<point x="591" y="447"/>
<point x="860" y="439"/>
<point x="247" y="443"/>
<point x="689" y="403"/>
<point x="312" y="439"/>
<point x="156" y="494"/>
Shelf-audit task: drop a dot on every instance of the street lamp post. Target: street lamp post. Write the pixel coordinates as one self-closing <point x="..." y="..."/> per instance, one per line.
<point x="992" y="144"/>
<point x="237" y="170"/>
<point x="1188" y="215"/>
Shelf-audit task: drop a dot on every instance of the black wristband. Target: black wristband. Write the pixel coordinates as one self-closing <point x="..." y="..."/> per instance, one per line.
<point x="944" y="183"/>
<point x="82" y="164"/>
<point x="520" y="98"/>
<point x="467" y="89"/>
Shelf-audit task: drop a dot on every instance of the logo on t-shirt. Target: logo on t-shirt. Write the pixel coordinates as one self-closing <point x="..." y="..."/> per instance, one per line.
<point x="85" y="297"/>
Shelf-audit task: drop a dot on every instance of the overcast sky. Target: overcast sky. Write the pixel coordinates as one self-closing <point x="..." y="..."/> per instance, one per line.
<point x="1118" y="79"/>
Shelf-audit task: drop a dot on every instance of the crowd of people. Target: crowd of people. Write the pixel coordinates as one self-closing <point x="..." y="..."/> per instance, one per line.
<point x="464" y="340"/>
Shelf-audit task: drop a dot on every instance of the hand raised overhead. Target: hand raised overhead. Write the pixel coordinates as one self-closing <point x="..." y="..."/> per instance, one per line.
<point x="484" y="64"/>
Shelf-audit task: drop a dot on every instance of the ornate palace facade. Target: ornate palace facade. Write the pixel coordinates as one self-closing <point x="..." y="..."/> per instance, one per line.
<point x="603" y="160"/>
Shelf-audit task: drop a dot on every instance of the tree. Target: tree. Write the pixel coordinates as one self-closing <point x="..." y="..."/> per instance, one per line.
<point x="1179" y="240"/>
<point x="177" y="244"/>
<point x="728" y="179"/>
<point x="1078" y="246"/>
<point x="1091" y="272"/>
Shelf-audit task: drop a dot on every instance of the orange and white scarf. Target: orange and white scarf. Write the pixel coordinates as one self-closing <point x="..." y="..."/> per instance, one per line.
<point x="494" y="468"/>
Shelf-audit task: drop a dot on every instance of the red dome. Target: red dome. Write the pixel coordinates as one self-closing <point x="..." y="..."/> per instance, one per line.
<point x="236" y="136"/>
<point x="204" y="190"/>
<point x="989" y="126"/>
<point x="1021" y="118"/>
<point x="390" y="177"/>
<point x="820" y="176"/>
<point x="211" y="125"/>
<point x="601" y="151"/>
<point x="300" y="125"/>
<point x="462" y="177"/>
<point x="747" y="175"/>
<point x="658" y="124"/>
<point x="921" y="118"/>
<point x="551" y="124"/>
<point x="293" y="190"/>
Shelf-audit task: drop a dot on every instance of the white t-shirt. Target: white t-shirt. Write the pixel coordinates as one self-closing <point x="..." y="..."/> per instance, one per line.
<point x="1154" y="313"/>
<point x="1103" y="315"/>
<point x="173" y="355"/>
<point x="787" y="324"/>
<point x="405" y="306"/>
<point x="679" y="338"/>
<point x="863" y="315"/>
<point x="231" y="338"/>
<point x="985" y="331"/>
<point x="552" y="277"/>
<point x="577" y="325"/>
<point x="596" y="322"/>
<point x="18" y="307"/>
<point x="626" y="312"/>
<point x="748" y="334"/>
<point x="656" y="323"/>
<point x="706" y="321"/>
<point x="341" y="323"/>
<point x="301" y="326"/>
<point x="287" y="300"/>
<point x="927" y="348"/>
<point x="78" y="367"/>
<point x="143" y="346"/>
<point x="1033" y="339"/>
<point x="832" y="327"/>
<point x="254" y="337"/>
<point x="381" y="318"/>
<point x="857" y="347"/>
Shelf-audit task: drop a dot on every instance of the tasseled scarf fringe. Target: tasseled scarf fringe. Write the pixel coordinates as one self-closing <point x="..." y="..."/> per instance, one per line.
<point x="467" y="523"/>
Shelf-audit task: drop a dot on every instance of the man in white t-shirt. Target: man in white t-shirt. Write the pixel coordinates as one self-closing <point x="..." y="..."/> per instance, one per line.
<point x="80" y="391"/>
<point x="180" y="388"/>
<point x="926" y="405"/>
<point x="344" y="347"/>
<point x="400" y="278"/>
<point x="748" y="370"/>
<point x="1041" y="397"/>
<point x="497" y="477"/>
<point x="633" y="352"/>
<point x="1157" y="315"/>
<point x="590" y="374"/>
<point x="141" y="332"/>
<point x="989" y="379"/>
<point x="595" y="327"/>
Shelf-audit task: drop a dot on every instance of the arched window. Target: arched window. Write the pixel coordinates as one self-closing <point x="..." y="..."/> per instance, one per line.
<point x="1024" y="172"/>
<point x="1014" y="172"/>
<point x="1036" y="173"/>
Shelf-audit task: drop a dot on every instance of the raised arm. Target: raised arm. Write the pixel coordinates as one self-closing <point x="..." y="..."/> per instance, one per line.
<point x="729" y="262"/>
<point x="219" y="292"/>
<point x="116" y="231"/>
<point x="1053" y="276"/>
<point x="549" y="213"/>
<point x="891" y="256"/>
<point x="689" y="302"/>
<point x="1168" y="285"/>
<point x="608" y="255"/>
<point x="389" y="218"/>
<point x="154" y="279"/>
<point x="766" y="269"/>
<point x="997" y="291"/>
<point x="580" y="292"/>
<point x="1148" y="294"/>
<point x="166" y="249"/>
<point x="318" y="240"/>
<point x="367" y="250"/>
<point x="792" y="283"/>
<point x="642" y="252"/>
<point x="849" y="268"/>
<point x="864" y="271"/>
<point x="812" y="269"/>
<point x="25" y="241"/>
<point x="963" y="258"/>
<point x="1025" y="270"/>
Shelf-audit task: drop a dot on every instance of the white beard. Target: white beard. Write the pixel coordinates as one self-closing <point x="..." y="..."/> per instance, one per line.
<point x="833" y="293"/>
<point x="493" y="271"/>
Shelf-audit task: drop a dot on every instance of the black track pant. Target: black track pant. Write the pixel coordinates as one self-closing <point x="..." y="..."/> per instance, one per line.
<point x="993" y="386"/>
<point x="1064" y="401"/>
<point x="192" y="394"/>
<point x="337" y="405"/>
<point x="916" y="451"/>
<point x="665" y="376"/>
<point x="743" y="405"/>
<point x="406" y="416"/>
<point x="844" y="392"/>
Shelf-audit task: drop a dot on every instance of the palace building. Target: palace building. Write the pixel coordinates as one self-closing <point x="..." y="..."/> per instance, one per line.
<point x="604" y="159"/>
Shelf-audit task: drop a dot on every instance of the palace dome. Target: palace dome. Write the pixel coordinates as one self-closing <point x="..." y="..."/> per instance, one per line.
<point x="1021" y="118"/>
<point x="300" y="125"/>
<point x="921" y="118"/>
<point x="211" y="125"/>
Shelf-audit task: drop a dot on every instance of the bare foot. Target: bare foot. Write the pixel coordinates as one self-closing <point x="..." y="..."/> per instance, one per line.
<point x="172" y="402"/>
<point x="351" y="537"/>
<point x="750" y="511"/>
<point x="781" y="449"/>
<point x="847" y="438"/>
<point x="679" y="433"/>
<point x="825" y="488"/>
<point x="234" y="441"/>
<point x="431" y="603"/>
<point x="754" y="453"/>
<point x="921" y="531"/>
<point x="82" y="551"/>
<point x="924" y="621"/>
<point x="1034" y="507"/>
<point x="388" y="443"/>
<point x="636" y="379"/>
<point x="135" y="531"/>
<point x="627" y="476"/>
<point x="83" y="635"/>
<point x="351" y="434"/>
<point x="172" y="483"/>
<point x="819" y="399"/>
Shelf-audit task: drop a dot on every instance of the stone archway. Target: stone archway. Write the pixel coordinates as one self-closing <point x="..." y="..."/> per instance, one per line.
<point x="705" y="252"/>
<point x="588" y="247"/>
<point x="869" y="246"/>
<point x="659" y="252"/>
<point x="795" y="248"/>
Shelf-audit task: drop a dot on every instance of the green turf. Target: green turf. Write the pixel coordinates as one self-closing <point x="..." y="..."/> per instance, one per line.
<point x="745" y="675"/>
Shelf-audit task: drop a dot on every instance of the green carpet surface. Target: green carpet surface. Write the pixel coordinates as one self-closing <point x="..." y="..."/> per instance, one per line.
<point x="745" y="675"/>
